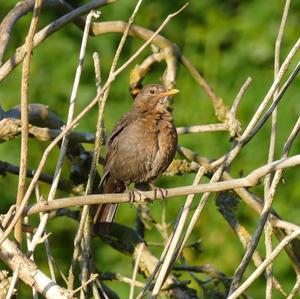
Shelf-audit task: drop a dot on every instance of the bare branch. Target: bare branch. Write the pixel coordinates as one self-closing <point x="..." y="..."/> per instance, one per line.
<point x="295" y="289"/>
<point x="264" y="214"/>
<point x="28" y="271"/>
<point x="250" y="180"/>
<point x="239" y="96"/>
<point x="18" y="56"/>
<point x="202" y="128"/>
<point x="264" y="264"/>
<point x="24" y="114"/>
<point x="44" y="177"/>
<point x="135" y="270"/>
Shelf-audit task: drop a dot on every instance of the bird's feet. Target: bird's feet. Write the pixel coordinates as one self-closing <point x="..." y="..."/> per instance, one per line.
<point x="160" y="193"/>
<point x="136" y="196"/>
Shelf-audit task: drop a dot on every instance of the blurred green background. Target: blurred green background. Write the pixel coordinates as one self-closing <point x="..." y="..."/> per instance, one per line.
<point x="227" y="41"/>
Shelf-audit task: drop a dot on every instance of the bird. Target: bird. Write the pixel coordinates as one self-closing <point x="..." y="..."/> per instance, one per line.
<point x="141" y="146"/>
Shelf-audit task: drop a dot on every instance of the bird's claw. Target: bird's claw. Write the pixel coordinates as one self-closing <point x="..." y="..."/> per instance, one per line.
<point x="163" y="193"/>
<point x="136" y="196"/>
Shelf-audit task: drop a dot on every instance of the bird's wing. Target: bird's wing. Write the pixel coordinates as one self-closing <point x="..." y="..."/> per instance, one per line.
<point x="113" y="139"/>
<point x="121" y="124"/>
<point x="106" y="212"/>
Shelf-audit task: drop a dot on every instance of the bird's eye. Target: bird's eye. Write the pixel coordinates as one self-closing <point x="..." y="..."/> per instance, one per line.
<point x="152" y="91"/>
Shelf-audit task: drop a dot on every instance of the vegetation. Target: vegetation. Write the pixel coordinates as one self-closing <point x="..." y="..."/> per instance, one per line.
<point x="227" y="42"/>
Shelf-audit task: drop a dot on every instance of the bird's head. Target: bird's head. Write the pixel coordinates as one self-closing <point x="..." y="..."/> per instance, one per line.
<point x="154" y="97"/>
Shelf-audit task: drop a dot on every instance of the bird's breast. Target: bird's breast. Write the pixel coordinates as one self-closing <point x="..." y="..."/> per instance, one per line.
<point x="145" y="149"/>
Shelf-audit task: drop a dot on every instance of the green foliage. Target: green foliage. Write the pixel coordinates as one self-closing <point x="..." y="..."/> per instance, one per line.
<point x="227" y="41"/>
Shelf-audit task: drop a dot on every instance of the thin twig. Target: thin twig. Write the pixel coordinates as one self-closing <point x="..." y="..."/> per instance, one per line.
<point x="251" y="127"/>
<point x="268" y="232"/>
<point x="159" y="263"/>
<point x="78" y="237"/>
<point x="295" y="289"/>
<point x="264" y="214"/>
<point x="50" y="260"/>
<point x="118" y="276"/>
<point x="73" y="97"/>
<point x="86" y="237"/>
<point x="135" y="270"/>
<point x="264" y="264"/>
<point x="202" y="82"/>
<point x="239" y="96"/>
<point x="93" y="277"/>
<point x="202" y="128"/>
<point x="227" y="204"/>
<point x="281" y="72"/>
<point x="174" y="238"/>
<point x="148" y="42"/>
<point x="274" y="104"/>
<point x="267" y="180"/>
<point x="12" y="285"/>
<point x="77" y="242"/>
<point x="24" y="114"/>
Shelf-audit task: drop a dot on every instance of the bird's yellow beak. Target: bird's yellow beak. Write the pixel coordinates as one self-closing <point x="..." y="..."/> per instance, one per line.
<point x="168" y="92"/>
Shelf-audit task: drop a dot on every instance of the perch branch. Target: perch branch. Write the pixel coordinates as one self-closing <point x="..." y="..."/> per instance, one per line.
<point x="250" y="180"/>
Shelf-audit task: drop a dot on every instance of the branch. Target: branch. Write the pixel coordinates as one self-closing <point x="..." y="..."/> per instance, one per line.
<point x="39" y="37"/>
<point x="64" y="185"/>
<point x="250" y="180"/>
<point x="24" y="113"/>
<point x="128" y="242"/>
<point x="7" y="24"/>
<point x="227" y="204"/>
<point x="202" y="128"/>
<point x="264" y="264"/>
<point x="29" y="272"/>
<point x="265" y="213"/>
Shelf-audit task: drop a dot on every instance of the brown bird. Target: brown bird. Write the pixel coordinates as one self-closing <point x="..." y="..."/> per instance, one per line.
<point x="141" y="146"/>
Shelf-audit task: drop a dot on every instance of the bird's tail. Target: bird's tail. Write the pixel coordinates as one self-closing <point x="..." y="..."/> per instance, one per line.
<point x="106" y="212"/>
